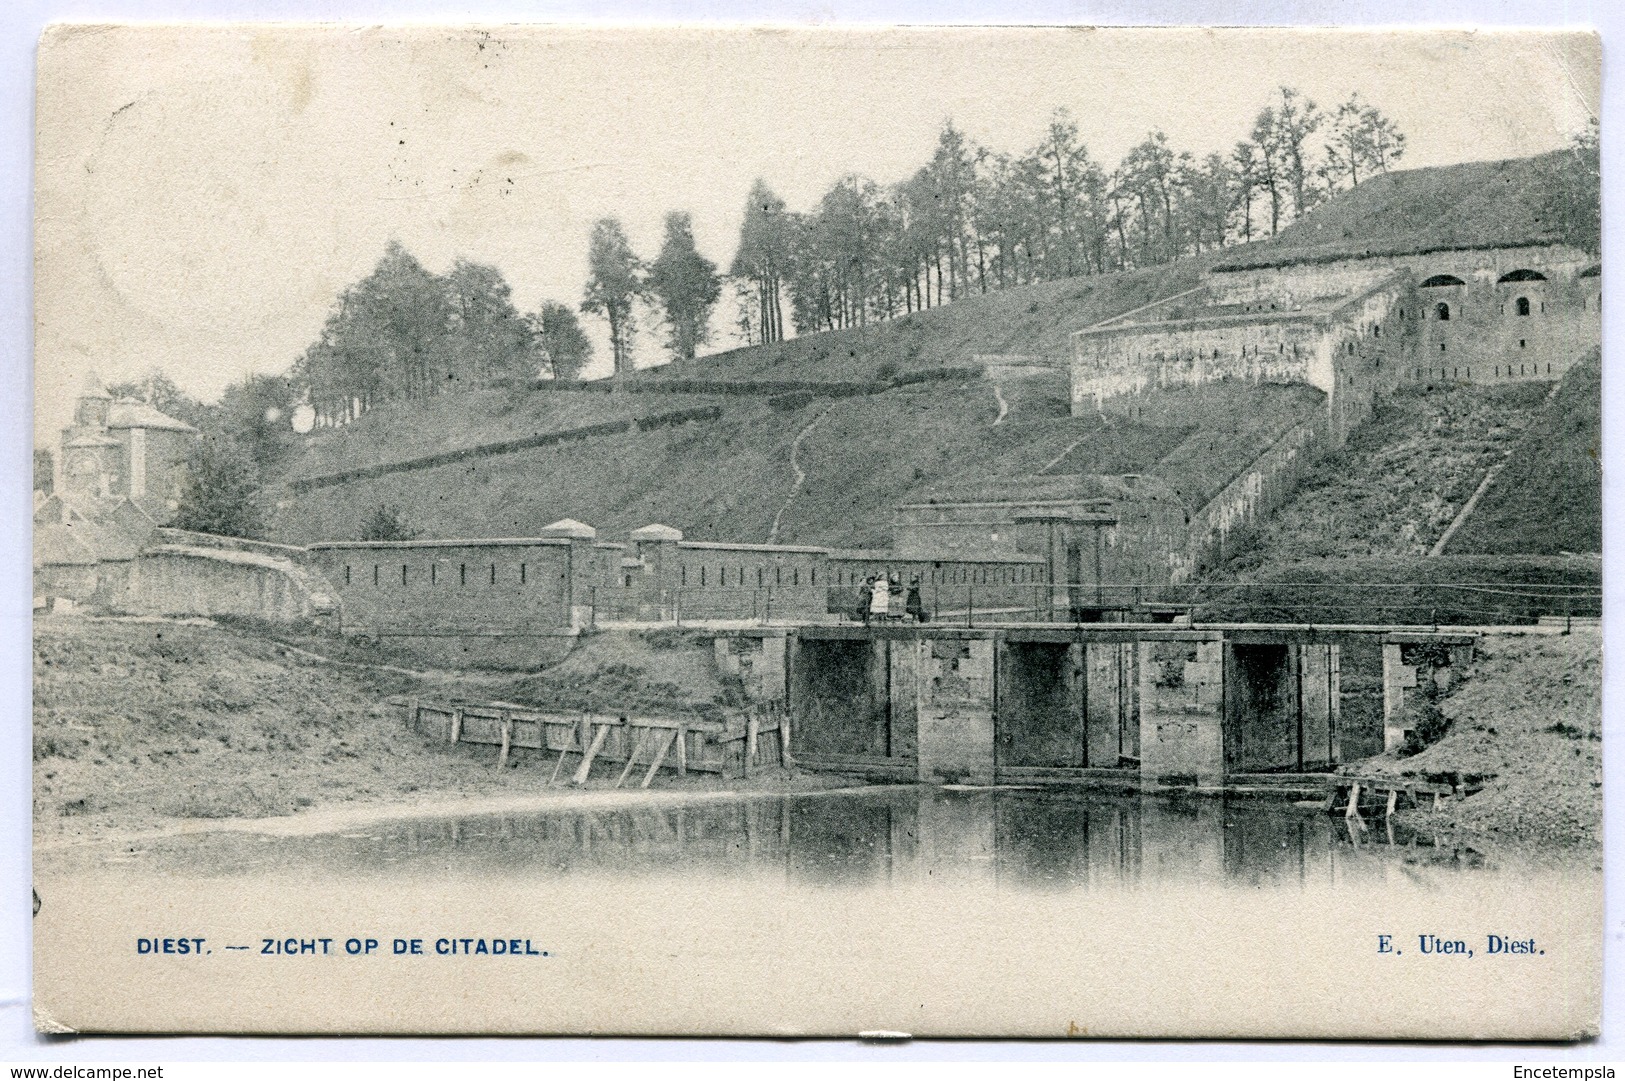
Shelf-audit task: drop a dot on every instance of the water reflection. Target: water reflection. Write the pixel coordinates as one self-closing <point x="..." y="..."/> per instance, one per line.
<point x="1012" y="839"/>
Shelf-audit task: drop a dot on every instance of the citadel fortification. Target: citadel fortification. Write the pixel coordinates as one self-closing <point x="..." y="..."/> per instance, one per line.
<point x="1350" y="329"/>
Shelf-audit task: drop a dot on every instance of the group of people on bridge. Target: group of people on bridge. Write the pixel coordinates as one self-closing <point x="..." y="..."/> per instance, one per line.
<point x="882" y="598"/>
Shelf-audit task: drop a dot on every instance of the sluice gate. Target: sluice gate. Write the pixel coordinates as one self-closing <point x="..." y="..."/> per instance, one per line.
<point x="1255" y="708"/>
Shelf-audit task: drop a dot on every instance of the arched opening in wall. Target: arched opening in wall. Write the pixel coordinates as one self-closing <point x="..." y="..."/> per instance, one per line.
<point x="1521" y="276"/>
<point x="1521" y="306"/>
<point x="1439" y="280"/>
<point x="1441" y="312"/>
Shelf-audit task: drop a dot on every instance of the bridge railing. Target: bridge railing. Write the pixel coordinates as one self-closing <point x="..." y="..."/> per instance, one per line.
<point x="973" y="603"/>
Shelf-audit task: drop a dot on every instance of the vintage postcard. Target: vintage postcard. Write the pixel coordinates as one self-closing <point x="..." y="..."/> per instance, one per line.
<point x="1049" y="532"/>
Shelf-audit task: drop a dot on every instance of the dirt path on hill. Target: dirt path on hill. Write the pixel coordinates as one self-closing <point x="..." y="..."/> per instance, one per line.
<point x="801" y="474"/>
<point x="1004" y="406"/>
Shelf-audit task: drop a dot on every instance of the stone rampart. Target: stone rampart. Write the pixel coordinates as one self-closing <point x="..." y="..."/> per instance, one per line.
<point x="180" y="580"/>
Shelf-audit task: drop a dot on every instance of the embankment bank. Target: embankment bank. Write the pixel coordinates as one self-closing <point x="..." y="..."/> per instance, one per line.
<point x="161" y="726"/>
<point x="1526" y="721"/>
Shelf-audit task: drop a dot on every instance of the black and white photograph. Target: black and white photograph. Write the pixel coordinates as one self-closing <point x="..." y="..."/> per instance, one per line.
<point x="782" y="531"/>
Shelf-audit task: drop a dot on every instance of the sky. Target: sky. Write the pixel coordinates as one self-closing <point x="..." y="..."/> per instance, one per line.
<point x="202" y="195"/>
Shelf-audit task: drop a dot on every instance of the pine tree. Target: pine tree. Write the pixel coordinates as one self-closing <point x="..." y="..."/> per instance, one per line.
<point x="614" y="284"/>
<point x="686" y="285"/>
<point x="489" y="338"/>
<point x="760" y="264"/>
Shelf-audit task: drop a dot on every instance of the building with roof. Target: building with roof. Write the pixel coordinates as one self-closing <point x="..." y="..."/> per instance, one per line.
<point x="124" y="448"/>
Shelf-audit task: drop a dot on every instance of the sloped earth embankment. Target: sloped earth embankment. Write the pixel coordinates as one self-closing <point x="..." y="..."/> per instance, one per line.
<point x="1400" y="480"/>
<point x="1526" y="721"/>
<point x="142" y="725"/>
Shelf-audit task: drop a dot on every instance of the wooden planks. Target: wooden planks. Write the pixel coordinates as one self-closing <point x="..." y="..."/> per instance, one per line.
<point x="632" y="750"/>
<point x="598" y="738"/>
<point x="660" y="756"/>
<point x="1390" y="794"/>
<point x="701" y="744"/>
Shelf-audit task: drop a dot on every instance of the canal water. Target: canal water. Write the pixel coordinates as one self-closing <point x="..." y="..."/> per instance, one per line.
<point x="1005" y="838"/>
<point x="911" y="909"/>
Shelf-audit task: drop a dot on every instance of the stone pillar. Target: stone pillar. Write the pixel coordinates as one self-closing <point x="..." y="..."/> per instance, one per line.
<point x="903" y="684"/>
<point x="656" y="588"/>
<point x="1397" y="678"/>
<point x="1318" y="696"/>
<point x="580" y="565"/>
<point x="956" y="738"/>
<point x="757" y="661"/>
<point x="1182" y="711"/>
<point x="770" y="668"/>
<point x="1057" y="532"/>
<point x="1107" y="695"/>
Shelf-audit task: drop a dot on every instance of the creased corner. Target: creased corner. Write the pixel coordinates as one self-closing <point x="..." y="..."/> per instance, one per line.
<point x="50" y="1026"/>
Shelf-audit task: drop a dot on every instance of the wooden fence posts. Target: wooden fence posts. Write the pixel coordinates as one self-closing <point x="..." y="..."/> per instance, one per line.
<point x="727" y="747"/>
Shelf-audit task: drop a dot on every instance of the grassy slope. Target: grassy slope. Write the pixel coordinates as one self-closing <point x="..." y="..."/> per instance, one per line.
<point x="457" y="421"/>
<point x="1028" y="320"/>
<point x="1548" y="498"/>
<point x="725" y="480"/>
<point x="136" y="723"/>
<point x="1474" y="204"/>
<point x="1393" y="492"/>
<point x="1372" y="511"/>
<point x="1034" y="319"/>
<point x="1468" y="590"/>
<point x="1396" y="485"/>
<point x="1528" y="717"/>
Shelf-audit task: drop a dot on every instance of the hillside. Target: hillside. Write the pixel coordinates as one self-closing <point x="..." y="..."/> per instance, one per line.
<point x="452" y="422"/>
<point x="1030" y="320"/>
<point x="1528" y="720"/>
<point x="718" y="448"/>
<point x="1399" y="481"/>
<point x="859" y="457"/>
<point x="729" y="477"/>
<point x="1548" y="498"/>
<point x="1475" y="204"/>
